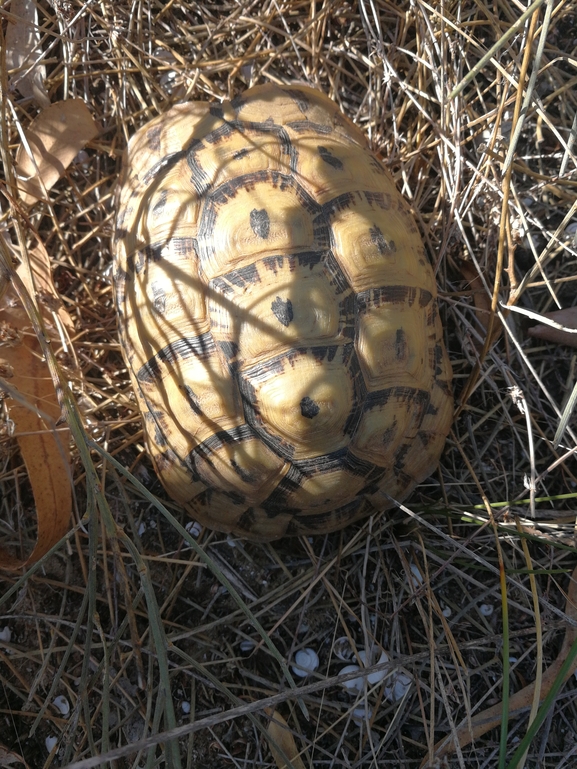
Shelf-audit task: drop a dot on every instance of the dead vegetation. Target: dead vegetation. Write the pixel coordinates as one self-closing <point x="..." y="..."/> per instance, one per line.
<point x="467" y="587"/>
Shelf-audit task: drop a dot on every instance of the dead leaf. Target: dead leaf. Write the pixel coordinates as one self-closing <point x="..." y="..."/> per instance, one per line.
<point x="520" y="702"/>
<point x="481" y="299"/>
<point x="34" y="409"/>
<point x="567" y="318"/>
<point x="281" y="737"/>
<point x="40" y="283"/>
<point x="23" y="52"/>
<point x="8" y="757"/>
<point x="54" y="138"/>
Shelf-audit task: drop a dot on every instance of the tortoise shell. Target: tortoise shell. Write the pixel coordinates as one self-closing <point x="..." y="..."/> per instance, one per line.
<point x="278" y="316"/>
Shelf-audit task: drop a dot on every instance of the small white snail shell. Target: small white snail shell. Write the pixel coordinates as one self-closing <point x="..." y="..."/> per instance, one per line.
<point x="306" y="662"/>
<point x="399" y="686"/>
<point x="353" y="684"/>
<point x="361" y="715"/>
<point x="62" y="705"/>
<point x="342" y="649"/>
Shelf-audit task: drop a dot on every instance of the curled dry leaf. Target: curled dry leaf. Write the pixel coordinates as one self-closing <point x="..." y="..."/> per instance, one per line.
<point x="481" y="299"/>
<point x="33" y="406"/>
<point x="567" y="318"/>
<point x="54" y="139"/>
<point x="23" y="52"/>
<point x="280" y="736"/>
<point x="9" y="758"/>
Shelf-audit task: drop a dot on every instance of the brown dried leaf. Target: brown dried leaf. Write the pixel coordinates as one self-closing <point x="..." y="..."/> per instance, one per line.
<point x="34" y="409"/>
<point x="280" y="737"/>
<point x="23" y="52"/>
<point x="567" y="318"/>
<point x="480" y="297"/>
<point x="9" y="758"/>
<point x="42" y="286"/>
<point x="54" y="138"/>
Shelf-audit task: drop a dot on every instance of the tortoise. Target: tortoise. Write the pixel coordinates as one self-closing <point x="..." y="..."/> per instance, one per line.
<point x="278" y="316"/>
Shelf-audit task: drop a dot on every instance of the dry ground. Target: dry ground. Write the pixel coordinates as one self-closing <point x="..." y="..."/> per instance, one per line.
<point x="114" y="629"/>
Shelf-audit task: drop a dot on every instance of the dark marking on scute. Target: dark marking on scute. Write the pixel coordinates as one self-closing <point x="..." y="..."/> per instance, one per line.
<point x="282" y="181"/>
<point x="239" y="154"/>
<point x="221" y="438"/>
<point x="445" y="387"/>
<point x="425" y="437"/>
<point x="309" y="259"/>
<point x="120" y="278"/>
<point x="350" y="359"/>
<point x="269" y="127"/>
<point x="136" y="262"/>
<point x="330" y="159"/>
<point x="341" y="203"/>
<point x="323" y="464"/>
<point x="378" y="167"/>
<point x="432" y="410"/>
<point x="275" y="503"/>
<point x="151" y="420"/>
<point x="153" y="253"/>
<point x="237" y="102"/>
<point x="322" y="232"/>
<point x="319" y="353"/>
<point x="362" y="468"/>
<point x="264" y="371"/>
<point x="244" y="276"/>
<point x="165" y="164"/>
<point x="230" y="349"/>
<point x="309" y="408"/>
<point x="260" y="222"/>
<point x="246" y="521"/>
<point x="153" y="137"/>
<point x="191" y="462"/>
<point x="283" y="310"/>
<point x="120" y="233"/>
<point x="307" y="126"/>
<point x="160" y="203"/>
<point x="191" y="398"/>
<point x="223" y="131"/>
<point x="244" y="475"/>
<point x="300" y="98"/>
<point x="198" y="177"/>
<point x="159" y="295"/>
<point x="390" y="432"/>
<point x="221" y="286"/>
<point x="438" y="354"/>
<point x="403" y="394"/>
<point x="401" y="346"/>
<point x="375" y="297"/>
<point x="183" y="246"/>
<point x="381" y="199"/>
<point x="338" y="280"/>
<point x="400" y="455"/>
<point x="216" y="111"/>
<point x="201" y="347"/>
<point x="273" y="263"/>
<point x="378" y="239"/>
<point x="425" y="297"/>
<point x="249" y="401"/>
<point x="165" y="460"/>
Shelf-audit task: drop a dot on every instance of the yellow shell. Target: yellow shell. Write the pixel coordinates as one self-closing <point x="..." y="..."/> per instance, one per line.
<point x="278" y="316"/>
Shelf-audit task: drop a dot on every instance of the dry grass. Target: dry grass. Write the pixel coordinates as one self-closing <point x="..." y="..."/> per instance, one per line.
<point x="491" y="174"/>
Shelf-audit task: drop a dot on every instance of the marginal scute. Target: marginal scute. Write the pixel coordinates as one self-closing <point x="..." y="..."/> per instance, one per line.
<point x="277" y="315"/>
